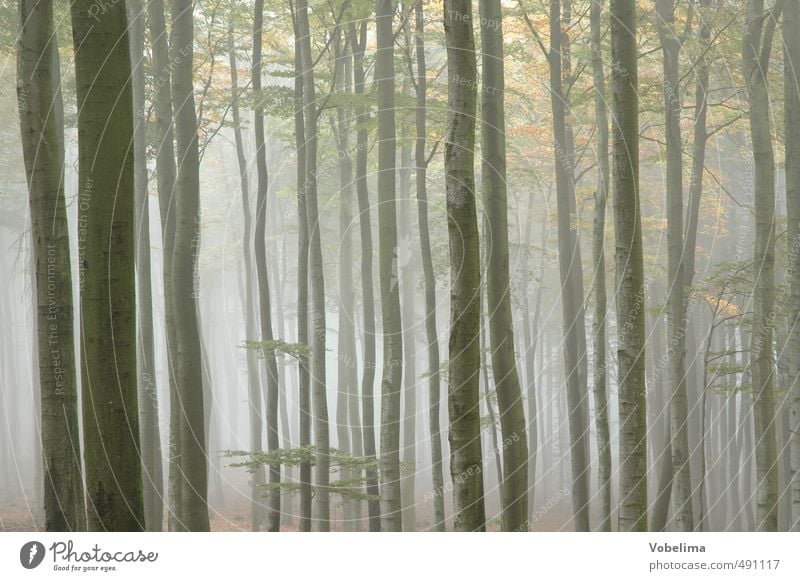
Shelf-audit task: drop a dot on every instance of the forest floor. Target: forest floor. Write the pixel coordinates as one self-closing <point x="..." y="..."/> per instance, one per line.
<point x="230" y="512"/>
<point x="233" y="515"/>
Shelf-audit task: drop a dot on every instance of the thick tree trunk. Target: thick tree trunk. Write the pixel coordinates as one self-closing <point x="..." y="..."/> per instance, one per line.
<point x="359" y="39"/>
<point x="265" y="306"/>
<point x="466" y="466"/>
<point x="630" y="270"/>
<point x="599" y="263"/>
<point x="107" y="276"/>
<point x="152" y="476"/>
<point x="756" y="48"/>
<point x="571" y="281"/>
<point x="317" y="279"/>
<point x="498" y="289"/>
<point x="38" y="86"/>
<point x="193" y="513"/>
<point x="434" y="375"/>
<point x="791" y="39"/>
<point x="391" y="381"/>
<point x="253" y="379"/>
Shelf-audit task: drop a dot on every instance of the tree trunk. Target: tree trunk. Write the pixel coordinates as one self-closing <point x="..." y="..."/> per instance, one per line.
<point x="571" y="282"/>
<point x="304" y="375"/>
<point x="193" y="513"/>
<point x="38" y="86"/>
<point x="407" y="267"/>
<point x="791" y="39"/>
<point x="152" y="477"/>
<point x="498" y="289"/>
<point x="630" y="270"/>
<point x="165" y="175"/>
<point x="660" y="441"/>
<point x="107" y="275"/>
<point x="466" y="466"/>
<point x="359" y="40"/>
<point x="265" y="307"/>
<point x="676" y="311"/>
<point x="321" y="436"/>
<point x="434" y="376"/>
<point x="756" y="48"/>
<point x="347" y="376"/>
<point x="253" y="379"/>
<point x="599" y="263"/>
<point x="391" y="380"/>
<point x="530" y="334"/>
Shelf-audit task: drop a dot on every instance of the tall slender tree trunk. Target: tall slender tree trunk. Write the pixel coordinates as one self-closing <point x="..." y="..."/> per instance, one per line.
<point x="166" y="176"/>
<point x="193" y="513"/>
<point x="487" y="400"/>
<point x="38" y="91"/>
<point x="265" y="306"/>
<point x="630" y="270"/>
<point x="407" y="273"/>
<point x="599" y="262"/>
<point x="152" y="476"/>
<point x="318" y="329"/>
<point x="106" y="266"/>
<point x="570" y="264"/>
<point x="347" y="364"/>
<point x="304" y="375"/>
<point x="466" y="465"/>
<point x="693" y="214"/>
<point x="660" y="441"/>
<point x="676" y="296"/>
<point x="434" y="375"/>
<point x="498" y="289"/>
<point x="530" y="334"/>
<point x="391" y="381"/>
<point x="791" y="39"/>
<point x="253" y="379"/>
<point x="756" y="49"/>
<point x="359" y="39"/>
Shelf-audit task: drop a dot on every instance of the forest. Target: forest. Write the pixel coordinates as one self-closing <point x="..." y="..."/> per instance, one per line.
<point x="400" y="265"/>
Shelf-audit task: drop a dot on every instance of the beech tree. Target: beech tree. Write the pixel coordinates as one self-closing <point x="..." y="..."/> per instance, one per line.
<point x="630" y="269"/>
<point x="106" y="266"/>
<point x="38" y="90"/>
<point x="265" y="307"/>
<point x="466" y="466"/>
<point x="391" y="380"/>
<point x="791" y="39"/>
<point x="192" y="514"/>
<point x="498" y="291"/>
<point x="756" y="49"/>
<point x="599" y="261"/>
